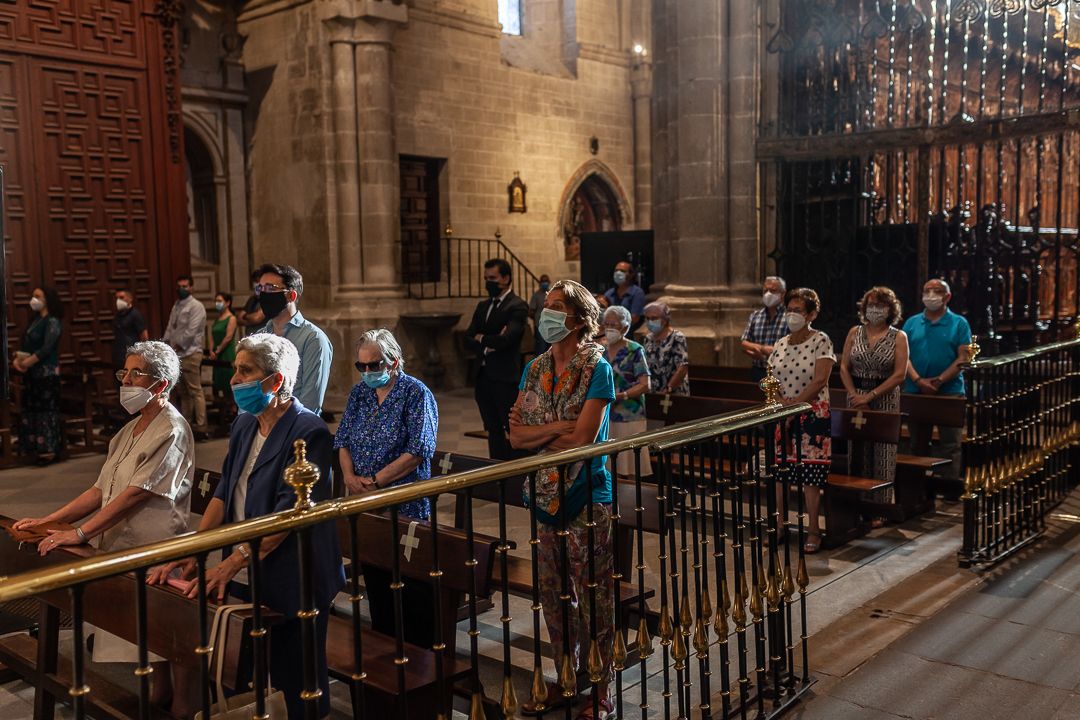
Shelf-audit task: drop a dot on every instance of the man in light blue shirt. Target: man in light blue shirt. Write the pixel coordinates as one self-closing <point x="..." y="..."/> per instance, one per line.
<point x="186" y="334"/>
<point x="938" y="340"/>
<point x="279" y="289"/>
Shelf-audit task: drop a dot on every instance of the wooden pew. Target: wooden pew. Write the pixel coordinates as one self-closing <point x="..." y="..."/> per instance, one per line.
<point x="381" y="691"/>
<point x="729" y="372"/>
<point x="673" y="409"/>
<point x="518" y="569"/>
<point x="172" y="630"/>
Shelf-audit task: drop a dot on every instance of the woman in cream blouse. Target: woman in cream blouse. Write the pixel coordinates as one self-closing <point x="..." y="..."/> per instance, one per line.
<point x="143" y="493"/>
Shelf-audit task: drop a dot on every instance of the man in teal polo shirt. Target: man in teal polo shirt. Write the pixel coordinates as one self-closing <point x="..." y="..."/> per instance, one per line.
<point x="938" y="340"/>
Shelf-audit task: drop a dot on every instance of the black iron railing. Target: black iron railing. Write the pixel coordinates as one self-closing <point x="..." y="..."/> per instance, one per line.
<point x="461" y="269"/>
<point x="729" y="577"/>
<point x="1020" y="454"/>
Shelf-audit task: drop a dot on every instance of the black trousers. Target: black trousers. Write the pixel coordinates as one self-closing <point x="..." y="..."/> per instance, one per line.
<point x="494" y="398"/>
<point x="417" y="607"/>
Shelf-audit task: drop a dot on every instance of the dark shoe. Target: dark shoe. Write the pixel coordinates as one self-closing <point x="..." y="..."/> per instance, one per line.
<point x="201" y="436"/>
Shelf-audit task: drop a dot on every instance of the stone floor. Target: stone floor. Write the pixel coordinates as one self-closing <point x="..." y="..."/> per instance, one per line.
<point x="870" y="604"/>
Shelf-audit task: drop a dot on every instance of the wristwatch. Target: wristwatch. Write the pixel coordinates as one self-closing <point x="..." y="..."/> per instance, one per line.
<point x="244" y="552"/>
<point x="81" y="535"/>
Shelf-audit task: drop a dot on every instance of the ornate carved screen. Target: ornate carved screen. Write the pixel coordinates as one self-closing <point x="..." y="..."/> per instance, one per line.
<point x="91" y="148"/>
<point x="924" y="138"/>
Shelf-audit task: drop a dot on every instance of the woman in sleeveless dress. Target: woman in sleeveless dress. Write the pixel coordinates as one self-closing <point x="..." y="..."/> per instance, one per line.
<point x="872" y="368"/>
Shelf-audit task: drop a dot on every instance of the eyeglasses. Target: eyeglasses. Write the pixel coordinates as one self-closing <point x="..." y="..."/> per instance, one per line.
<point x="268" y="288"/>
<point x="369" y="367"/>
<point x="135" y="374"/>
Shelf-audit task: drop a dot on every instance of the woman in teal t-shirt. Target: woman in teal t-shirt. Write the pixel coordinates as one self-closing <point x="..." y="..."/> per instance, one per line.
<point x="563" y="403"/>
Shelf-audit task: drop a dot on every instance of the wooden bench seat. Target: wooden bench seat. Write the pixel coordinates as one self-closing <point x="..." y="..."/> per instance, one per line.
<point x="108" y="700"/>
<point x="459" y="576"/>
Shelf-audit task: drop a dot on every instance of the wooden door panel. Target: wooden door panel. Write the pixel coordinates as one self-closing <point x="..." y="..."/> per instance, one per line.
<point x="96" y="189"/>
<point x="83" y="29"/>
<point x="23" y="256"/>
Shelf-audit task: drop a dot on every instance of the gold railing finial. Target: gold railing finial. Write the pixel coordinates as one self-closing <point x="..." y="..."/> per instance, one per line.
<point x="498" y="233"/>
<point x="770" y="386"/>
<point x="448" y="231"/>
<point x="301" y="476"/>
<point x="973" y="348"/>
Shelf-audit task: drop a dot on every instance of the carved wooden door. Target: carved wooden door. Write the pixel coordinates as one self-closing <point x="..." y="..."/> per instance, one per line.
<point x="91" y="146"/>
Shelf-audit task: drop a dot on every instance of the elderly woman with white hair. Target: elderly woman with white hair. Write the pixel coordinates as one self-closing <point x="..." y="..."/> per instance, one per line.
<point x="387" y="438"/>
<point x="252" y="484"/>
<point x="627" y="359"/>
<point x="143" y="492"/>
<point x="666" y="352"/>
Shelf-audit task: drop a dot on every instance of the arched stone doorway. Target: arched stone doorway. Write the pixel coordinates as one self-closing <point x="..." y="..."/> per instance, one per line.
<point x="592" y="202"/>
<point x="202" y="188"/>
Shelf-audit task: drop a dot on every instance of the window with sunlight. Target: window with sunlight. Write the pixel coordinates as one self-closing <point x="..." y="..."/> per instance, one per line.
<point x="510" y="16"/>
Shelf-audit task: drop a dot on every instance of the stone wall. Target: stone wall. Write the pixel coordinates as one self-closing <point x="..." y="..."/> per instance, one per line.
<point x="489" y="105"/>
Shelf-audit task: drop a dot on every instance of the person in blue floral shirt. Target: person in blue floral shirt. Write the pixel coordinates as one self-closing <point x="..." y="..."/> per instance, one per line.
<point x="387" y="438"/>
<point x="631" y="371"/>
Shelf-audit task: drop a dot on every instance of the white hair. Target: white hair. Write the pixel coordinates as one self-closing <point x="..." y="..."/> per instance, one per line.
<point x="387" y="344"/>
<point x="161" y="361"/>
<point x="660" y="307"/>
<point x="273" y="354"/>
<point x="779" y="280"/>
<point x="623" y="313"/>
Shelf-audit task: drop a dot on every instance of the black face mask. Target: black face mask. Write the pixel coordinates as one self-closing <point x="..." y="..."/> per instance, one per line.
<point x="272" y="303"/>
<point x="182" y="293"/>
<point x="493" y="288"/>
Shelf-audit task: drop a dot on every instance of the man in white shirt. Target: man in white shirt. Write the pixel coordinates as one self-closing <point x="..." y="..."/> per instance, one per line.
<point x="186" y="333"/>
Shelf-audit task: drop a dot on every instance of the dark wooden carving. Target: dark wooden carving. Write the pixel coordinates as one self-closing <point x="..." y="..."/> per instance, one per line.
<point x="91" y="146"/>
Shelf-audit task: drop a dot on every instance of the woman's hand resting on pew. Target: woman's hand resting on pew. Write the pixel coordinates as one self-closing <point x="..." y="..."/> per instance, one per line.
<point x="164" y="575"/>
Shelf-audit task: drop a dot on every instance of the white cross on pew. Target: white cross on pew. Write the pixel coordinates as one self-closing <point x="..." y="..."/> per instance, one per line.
<point x="665" y="404"/>
<point x="859" y="420"/>
<point x="410" y="541"/>
<point x="445" y="464"/>
<point x="204" y="485"/>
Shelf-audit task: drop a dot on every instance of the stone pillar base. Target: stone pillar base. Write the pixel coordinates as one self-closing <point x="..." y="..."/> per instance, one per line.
<point x="712" y="319"/>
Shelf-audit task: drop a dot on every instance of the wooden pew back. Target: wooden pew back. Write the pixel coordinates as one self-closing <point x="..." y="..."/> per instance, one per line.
<point x="865" y="425"/>
<point x="672" y="409"/>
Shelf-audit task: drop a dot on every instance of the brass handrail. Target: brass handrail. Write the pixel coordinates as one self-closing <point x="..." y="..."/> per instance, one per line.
<point x="196" y="543"/>
<point x="997" y="360"/>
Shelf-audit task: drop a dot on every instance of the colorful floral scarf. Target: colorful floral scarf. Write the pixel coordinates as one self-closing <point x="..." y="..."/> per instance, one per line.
<point x="547" y="400"/>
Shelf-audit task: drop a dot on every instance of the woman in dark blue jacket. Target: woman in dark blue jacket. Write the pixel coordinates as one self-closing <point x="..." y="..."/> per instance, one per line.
<point x="252" y="484"/>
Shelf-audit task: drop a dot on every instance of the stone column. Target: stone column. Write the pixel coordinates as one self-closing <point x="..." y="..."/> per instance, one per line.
<point x="365" y="163"/>
<point x="350" y="257"/>
<point x="641" y="89"/>
<point x="380" y="180"/>
<point x="704" y="180"/>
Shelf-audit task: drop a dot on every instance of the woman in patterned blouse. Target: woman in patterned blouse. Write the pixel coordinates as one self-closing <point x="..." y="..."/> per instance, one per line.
<point x="387" y="438"/>
<point x="627" y="360"/>
<point x="666" y="352"/>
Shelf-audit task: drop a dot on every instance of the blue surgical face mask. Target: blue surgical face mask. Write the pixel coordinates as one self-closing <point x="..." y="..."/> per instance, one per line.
<point x="619" y="277"/>
<point x="553" y="326"/>
<point x="250" y="397"/>
<point x="375" y="379"/>
<point x="545" y="285"/>
<point x="654" y="326"/>
<point x="219" y="306"/>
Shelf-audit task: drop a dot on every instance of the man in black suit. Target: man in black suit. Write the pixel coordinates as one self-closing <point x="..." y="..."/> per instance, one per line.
<point x="495" y="336"/>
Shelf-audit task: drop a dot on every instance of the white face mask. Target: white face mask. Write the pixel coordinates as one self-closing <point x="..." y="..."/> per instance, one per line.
<point x="876" y="315"/>
<point x="36" y="304"/>
<point x="613" y="335"/>
<point x="933" y="302"/>
<point x="771" y="299"/>
<point x="134" y="398"/>
<point x="795" y="321"/>
<point x="122" y="305"/>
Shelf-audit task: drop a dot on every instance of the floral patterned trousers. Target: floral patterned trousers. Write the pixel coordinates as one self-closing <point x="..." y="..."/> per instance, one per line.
<point x="578" y="553"/>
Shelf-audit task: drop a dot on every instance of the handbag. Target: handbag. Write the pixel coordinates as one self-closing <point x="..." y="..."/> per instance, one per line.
<point x="242" y="705"/>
